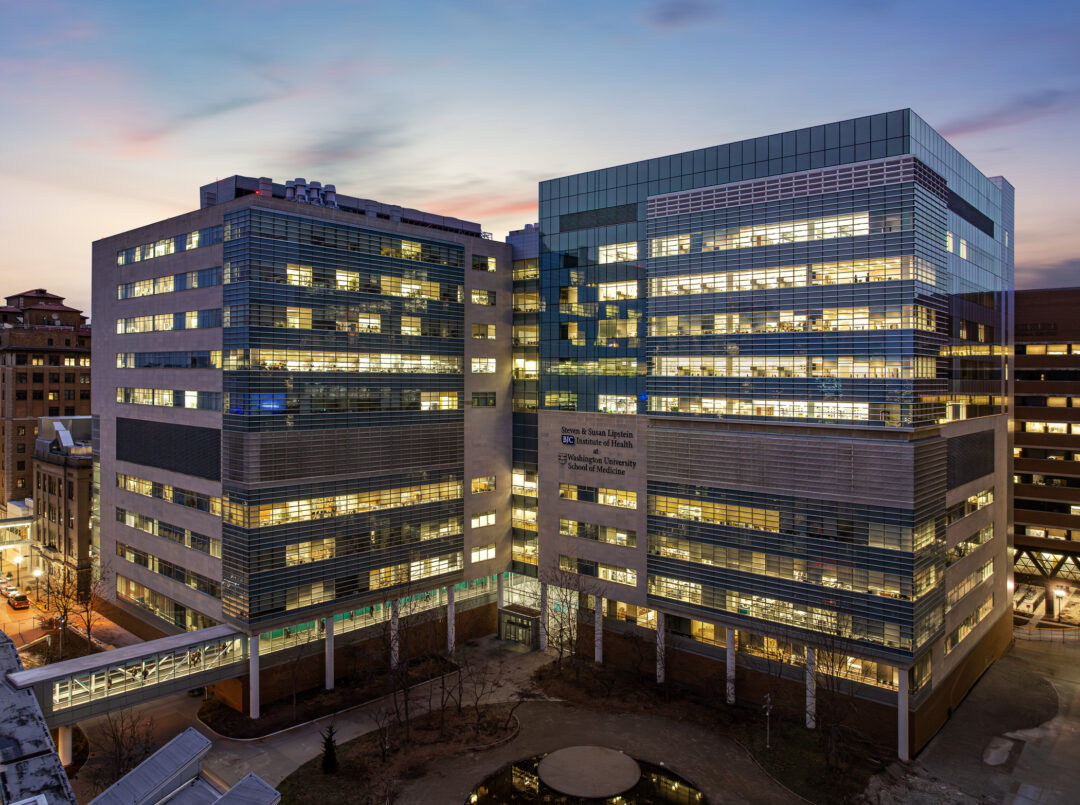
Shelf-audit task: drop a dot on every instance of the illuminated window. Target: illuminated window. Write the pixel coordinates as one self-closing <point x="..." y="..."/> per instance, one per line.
<point x="485" y="483"/>
<point x="950" y="243"/>
<point x="561" y="400"/>
<point x="617" y="404"/>
<point x="410" y="250"/>
<point x="480" y="297"/>
<point x="612" y="291"/>
<point x="617" y="252"/>
<point x="298" y="275"/>
<point x="483" y="399"/>
<point x="483" y="366"/>
<point x="482" y="519"/>
<point x="438" y="401"/>
<point x="308" y="595"/>
<point x="481" y="263"/>
<point x="298" y="318"/>
<point x="837" y="226"/>
<point x="410" y="325"/>
<point x="484" y="331"/>
<point x="302" y="553"/>
<point x="482" y="553"/>
<point x="669" y="246"/>
<point x="963" y="249"/>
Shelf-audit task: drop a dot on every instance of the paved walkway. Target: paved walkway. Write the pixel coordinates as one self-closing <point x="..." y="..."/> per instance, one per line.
<point x="1014" y="740"/>
<point x="714" y="764"/>
<point x="720" y="767"/>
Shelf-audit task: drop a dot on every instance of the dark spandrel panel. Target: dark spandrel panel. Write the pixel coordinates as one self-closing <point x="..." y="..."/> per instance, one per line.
<point x="970" y="457"/>
<point x="608" y="216"/>
<point x="177" y="448"/>
<point x="970" y="214"/>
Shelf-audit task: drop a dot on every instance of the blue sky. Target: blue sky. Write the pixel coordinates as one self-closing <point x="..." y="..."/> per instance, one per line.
<point x="115" y="112"/>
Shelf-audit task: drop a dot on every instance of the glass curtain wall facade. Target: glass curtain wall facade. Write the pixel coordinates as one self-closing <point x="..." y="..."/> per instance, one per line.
<point x="306" y="406"/>
<point x="808" y="335"/>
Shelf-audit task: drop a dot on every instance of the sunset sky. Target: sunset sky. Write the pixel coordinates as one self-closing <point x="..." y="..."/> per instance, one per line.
<point x="115" y="112"/>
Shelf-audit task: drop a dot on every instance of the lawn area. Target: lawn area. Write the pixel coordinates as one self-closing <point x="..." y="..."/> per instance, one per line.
<point x="369" y="774"/>
<point x="47" y="650"/>
<point x="317" y="702"/>
<point x="797" y="757"/>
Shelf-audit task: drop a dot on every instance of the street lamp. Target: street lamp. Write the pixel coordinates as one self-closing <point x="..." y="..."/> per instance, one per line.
<point x="18" y="571"/>
<point x="1059" y="592"/>
<point x="37" y="577"/>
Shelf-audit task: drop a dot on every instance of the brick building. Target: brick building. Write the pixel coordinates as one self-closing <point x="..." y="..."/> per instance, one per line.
<point x="44" y="371"/>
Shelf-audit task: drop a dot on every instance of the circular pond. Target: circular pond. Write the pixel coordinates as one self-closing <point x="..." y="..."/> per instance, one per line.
<point x="584" y="775"/>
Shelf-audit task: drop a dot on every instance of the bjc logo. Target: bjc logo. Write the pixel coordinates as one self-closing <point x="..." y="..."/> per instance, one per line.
<point x="566" y="439"/>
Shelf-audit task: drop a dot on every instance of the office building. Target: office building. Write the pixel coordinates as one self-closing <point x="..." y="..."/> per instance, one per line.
<point x="1046" y="445"/>
<point x="63" y="473"/>
<point x="303" y="409"/>
<point x="44" y="371"/>
<point x="772" y="425"/>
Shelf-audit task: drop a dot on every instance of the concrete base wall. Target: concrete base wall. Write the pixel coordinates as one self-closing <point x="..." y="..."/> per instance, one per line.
<point x="932" y="714"/>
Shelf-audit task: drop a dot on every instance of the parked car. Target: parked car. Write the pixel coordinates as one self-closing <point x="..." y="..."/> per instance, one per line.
<point x="8" y="590"/>
<point x="18" y="601"/>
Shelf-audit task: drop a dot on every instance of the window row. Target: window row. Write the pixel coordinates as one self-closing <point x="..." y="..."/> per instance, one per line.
<point x="278" y="226"/>
<point x="166" y="246"/>
<point x="837" y="625"/>
<point x="170" y="398"/>
<point x="972" y="504"/>
<point x="173" y="533"/>
<point x="841" y="366"/>
<point x="413" y="285"/>
<point x="786" y="409"/>
<point x="416" y="570"/>
<point x="169" y="570"/>
<point x="586" y="567"/>
<point x="170" y="283"/>
<point x="825" y="574"/>
<point x="894" y="317"/>
<point x="967" y="626"/>
<point x="199" y="359"/>
<point x="619" y="498"/>
<point x="618" y="252"/>
<point x="811" y="229"/>
<point x="707" y="511"/>
<point x="22" y="359"/>
<point x="305" y="510"/>
<point x="968" y="583"/>
<point x="305" y="360"/>
<point x="1072" y="428"/>
<point x="338" y="399"/>
<point x="878" y="269"/>
<point x="167" y="492"/>
<point x="1047" y="349"/>
<point x="609" y="535"/>
<point x="969" y="545"/>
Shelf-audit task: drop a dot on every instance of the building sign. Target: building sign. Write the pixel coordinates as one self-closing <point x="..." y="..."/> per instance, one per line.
<point x="601" y="441"/>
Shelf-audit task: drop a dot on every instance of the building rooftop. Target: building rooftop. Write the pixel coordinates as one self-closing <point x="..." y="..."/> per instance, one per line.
<point x="316" y="194"/>
<point x="29" y="765"/>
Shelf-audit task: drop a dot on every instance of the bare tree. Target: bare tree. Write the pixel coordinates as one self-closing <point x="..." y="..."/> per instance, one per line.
<point x="126" y="739"/>
<point x="481" y="680"/>
<point x="87" y="610"/>
<point x="383" y="720"/>
<point x="305" y="639"/>
<point x="61" y="599"/>
<point x="567" y="593"/>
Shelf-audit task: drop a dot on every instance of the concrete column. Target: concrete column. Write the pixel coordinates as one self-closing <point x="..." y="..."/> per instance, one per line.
<point x="661" y="671"/>
<point x="253" y="676"/>
<point x="394" y="634"/>
<point x="63" y="745"/>
<point x="902" y="716"/>
<point x="498" y="605"/>
<point x="598" y="629"/>
<point x="543" y="616"/>
<point x="451" y="637"/>
<point x="811" y="688"/>
<point x="329" y="652"/>
<point x="729" y="643"/>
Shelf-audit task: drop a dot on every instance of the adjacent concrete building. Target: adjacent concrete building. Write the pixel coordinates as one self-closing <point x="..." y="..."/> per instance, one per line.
<point x="1046" y="449"/>
<point x="44" y="371"/>
<point x="62" y="546"/>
